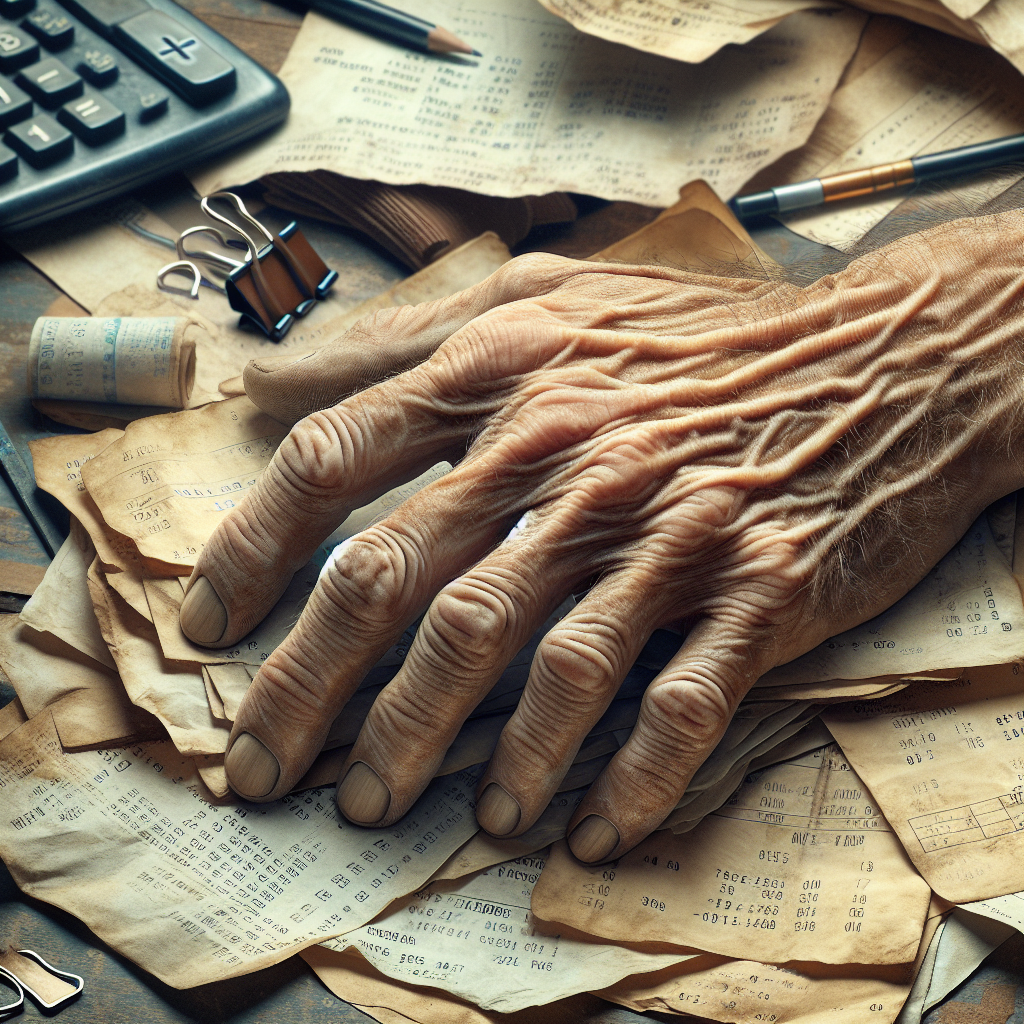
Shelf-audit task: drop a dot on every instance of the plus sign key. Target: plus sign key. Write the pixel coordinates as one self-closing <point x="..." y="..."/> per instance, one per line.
<point x="40" y="140"/>
<point x="188" y="65"/>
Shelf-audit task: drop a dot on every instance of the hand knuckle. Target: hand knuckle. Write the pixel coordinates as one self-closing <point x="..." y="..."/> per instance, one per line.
<point x="577" y="669"/>
<point x="365" y="576"/>
<point x="466" y="618"/>
<point x="535" y="269"/>
<point x="691" y="709"/>
<point x="311" y="458"/>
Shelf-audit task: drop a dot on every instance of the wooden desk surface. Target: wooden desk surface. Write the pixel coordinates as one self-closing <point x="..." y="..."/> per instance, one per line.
<point x="117" y="992"/>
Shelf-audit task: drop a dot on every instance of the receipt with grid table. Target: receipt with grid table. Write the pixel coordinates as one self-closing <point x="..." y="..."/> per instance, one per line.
<point x="945" y="762"/>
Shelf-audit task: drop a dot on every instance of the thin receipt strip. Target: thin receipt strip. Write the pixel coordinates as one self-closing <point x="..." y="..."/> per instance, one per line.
<point x="123" y="360"/>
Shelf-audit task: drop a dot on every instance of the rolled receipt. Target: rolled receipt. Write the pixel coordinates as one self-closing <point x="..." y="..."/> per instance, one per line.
<point x="123" y="360"/>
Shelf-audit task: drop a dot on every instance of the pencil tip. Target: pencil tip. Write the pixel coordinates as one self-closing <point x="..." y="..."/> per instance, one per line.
<point x="440" y="40"/>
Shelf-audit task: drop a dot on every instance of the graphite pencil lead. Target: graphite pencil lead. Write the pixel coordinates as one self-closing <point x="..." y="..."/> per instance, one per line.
<point x="440" y="40"/>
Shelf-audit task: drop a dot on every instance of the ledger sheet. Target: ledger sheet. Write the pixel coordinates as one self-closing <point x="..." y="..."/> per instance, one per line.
<point x="195" y="893"/>
<point x="547" y="109"/>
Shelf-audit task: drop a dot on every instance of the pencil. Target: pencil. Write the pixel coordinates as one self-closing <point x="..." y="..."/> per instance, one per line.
<point x="397" y="26"/>
<point x="850" y="184"/>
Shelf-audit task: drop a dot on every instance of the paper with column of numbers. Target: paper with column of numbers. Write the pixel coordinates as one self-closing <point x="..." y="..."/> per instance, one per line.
<point x="547" y="108"/>
<point x="195" y="893"/>
<point x="793" y="993"/>
<point x="475" y="939"/>
<point x="798" y="864"/>
<point x="946" y="764"/>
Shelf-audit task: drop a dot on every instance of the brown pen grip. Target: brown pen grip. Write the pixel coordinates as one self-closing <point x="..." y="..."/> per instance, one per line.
<point x="867" y="180"/>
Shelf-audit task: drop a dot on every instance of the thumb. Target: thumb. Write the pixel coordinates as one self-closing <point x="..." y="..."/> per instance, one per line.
<point x="393" y="340"/>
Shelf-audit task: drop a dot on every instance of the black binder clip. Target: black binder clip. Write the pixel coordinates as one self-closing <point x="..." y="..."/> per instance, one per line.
<point x="280" y="278"/>
<point x="310" y="273"/>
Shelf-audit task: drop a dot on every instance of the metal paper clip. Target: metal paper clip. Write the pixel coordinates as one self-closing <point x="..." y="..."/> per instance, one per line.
<point x="43" y="1003"/>
<point x="310" y="272"/>
<point x="10" y="1009"/>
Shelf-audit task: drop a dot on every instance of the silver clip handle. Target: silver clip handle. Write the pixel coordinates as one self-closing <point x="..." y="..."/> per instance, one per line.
<point x="216" y="259"/>
<point x="180" y="267"/>
<point x="243" y="213"/>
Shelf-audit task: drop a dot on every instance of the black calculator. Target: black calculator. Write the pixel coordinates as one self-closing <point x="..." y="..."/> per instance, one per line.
<point x="100" y="96"/>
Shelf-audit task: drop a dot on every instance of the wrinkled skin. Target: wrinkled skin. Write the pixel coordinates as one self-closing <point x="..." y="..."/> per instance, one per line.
<point x="759" y="464"/>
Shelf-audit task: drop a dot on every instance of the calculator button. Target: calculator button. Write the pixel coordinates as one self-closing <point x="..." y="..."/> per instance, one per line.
<point x="54" y="30"/>
<point x="15" y="105"/>
<point x="152" y="104"/>
<point x="17" y="48"/>
<point x="103" y="15"/>
<point x="98" y="67"/>
<point x="8" y="163"/>
<point x="50" y="82"/>
<point x="93" y="118"/>
<point x="185" y="63"/>
<point x="40" y="140"/>
<point x="15" y="8"/>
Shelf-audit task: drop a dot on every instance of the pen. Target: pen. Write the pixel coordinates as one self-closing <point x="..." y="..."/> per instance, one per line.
<point x="398" y="26"/>
<point x="849" y="184"/>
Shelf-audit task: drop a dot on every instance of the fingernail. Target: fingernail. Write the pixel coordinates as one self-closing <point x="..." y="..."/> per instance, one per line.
<point x="252" y="769"/>
<point x="593" y="839"/>
<point x="496" y="811"/>
<point x="203" y="617"/>
<point x="280" y="362"/>
<point x="362" y="796"/>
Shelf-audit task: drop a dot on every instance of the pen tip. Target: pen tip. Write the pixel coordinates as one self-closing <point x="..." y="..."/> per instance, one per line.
<point x="476" y="53"/>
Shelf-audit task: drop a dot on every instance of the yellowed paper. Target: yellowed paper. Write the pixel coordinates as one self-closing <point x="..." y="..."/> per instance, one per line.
<point x="173" y="691"/>
<point x="688" y="30"/>
<point x="795" y="993"/>
<point x="58" y="465"/>
<point x="351" y="978"/>
<point x="11" y="717"/>
<point x="945" y="764"/>
<point x="194" y="893"/>
<point x="170" y="479"/>
<point x="483" y="851"/>
<point x="929" y="94"/>
<point x="999" y="23"/>
<point x="966" y="611"/>
<point x="475" y="939"/>
<point x="123" y="360"/>
<point x="1009" y="909"/>
<point x="87" y="701"/>
<point x="62" y="604"/>
<point x="798" y="864"/>
<point x="548" y="109"/>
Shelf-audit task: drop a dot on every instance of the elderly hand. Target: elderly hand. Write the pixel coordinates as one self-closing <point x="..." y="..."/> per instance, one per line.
<point x="760" y="464"/>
